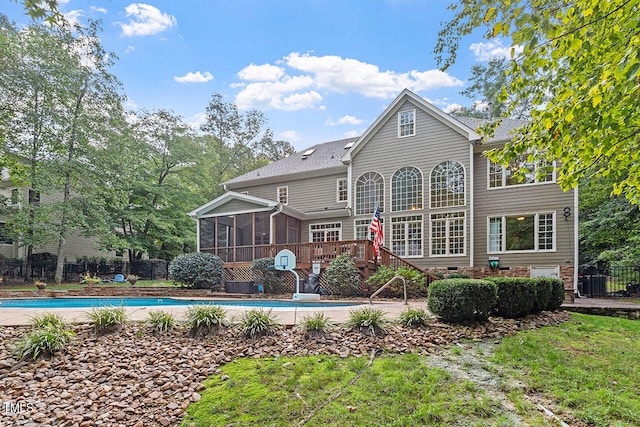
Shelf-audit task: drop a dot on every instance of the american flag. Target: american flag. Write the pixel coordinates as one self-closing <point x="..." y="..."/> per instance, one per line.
<point x="376" y="229"/>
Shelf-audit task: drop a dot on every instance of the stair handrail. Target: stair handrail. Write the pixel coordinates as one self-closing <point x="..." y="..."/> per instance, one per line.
<point x="404" y="285"/>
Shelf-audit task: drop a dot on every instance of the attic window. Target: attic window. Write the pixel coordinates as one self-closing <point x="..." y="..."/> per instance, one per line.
<point x="308" y="153"/>
<point x="349" y="145"/>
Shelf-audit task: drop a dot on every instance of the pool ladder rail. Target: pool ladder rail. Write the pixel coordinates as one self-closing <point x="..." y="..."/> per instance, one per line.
<point x="396" y="277"/>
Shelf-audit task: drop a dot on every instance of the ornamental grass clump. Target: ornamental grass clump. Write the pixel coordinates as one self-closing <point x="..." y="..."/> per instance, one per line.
<point x="47" y="319"/>
<point x="315" y="325"/>
<point x="258" y="322"/>
<point x="414" y="317"/>
<point x="205" y="319"/>
<point x="107" y="319"/>
<point x="50" y="335"/>
<point x="371" y="321"/>
<point x="43" y="342"/>
<point x="161" y="321"/>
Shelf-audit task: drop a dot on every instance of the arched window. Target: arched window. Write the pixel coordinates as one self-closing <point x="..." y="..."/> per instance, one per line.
<point x="406" y="190"/>
<point x="447" y="185"/>
<point x="369" y="193"/>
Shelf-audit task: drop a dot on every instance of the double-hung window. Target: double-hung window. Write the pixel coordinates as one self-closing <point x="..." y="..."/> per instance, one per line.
<point x="535" y="172"/>
<point x="522" y="233"/>
<point x="283" y="195"/>
<point x="342" y="190"/>
<point x="406" y="123"/>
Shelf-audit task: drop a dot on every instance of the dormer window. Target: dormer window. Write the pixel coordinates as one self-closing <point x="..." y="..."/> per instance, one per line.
<point x="406" y="123"/>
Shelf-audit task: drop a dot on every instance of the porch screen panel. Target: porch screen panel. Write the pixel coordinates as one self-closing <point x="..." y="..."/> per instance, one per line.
<point x="261" y="228"/>
<point x="281" y="229"/>
<point x="294" y="227"/>
<point x="207" y="233"/>
<point x="244" y="230"/>
<point x="225" y="232"/>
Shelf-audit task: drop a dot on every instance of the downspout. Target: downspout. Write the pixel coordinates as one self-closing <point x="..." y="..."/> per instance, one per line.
<point x="349" y="175"/>
<point x="197" y="234"/>
<point x="272" y="223"/>
<point x="471" y="207"/>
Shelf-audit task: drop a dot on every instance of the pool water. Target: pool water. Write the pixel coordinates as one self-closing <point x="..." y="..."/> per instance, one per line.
<point x="148" y="302"/>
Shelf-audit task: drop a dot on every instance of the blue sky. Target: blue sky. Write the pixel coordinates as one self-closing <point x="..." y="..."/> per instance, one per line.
<point x="319" y="70"/>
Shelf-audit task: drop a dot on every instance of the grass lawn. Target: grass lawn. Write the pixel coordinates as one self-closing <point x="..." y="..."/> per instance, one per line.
<point x="586" y="371"/>
<point x="75" y="286"/>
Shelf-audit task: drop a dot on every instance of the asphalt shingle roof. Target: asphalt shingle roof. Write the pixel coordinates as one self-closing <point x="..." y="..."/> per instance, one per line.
<point x="326" y="155"/>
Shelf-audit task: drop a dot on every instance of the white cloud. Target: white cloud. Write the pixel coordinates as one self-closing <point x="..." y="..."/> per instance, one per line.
<point x="261" y="73"/>
<point x="197" y="120"/>
<point x="98" y="9"/>
<point x="480" y="105"/>
<point x="290" y="136"/>
<point x="297" y="82"/>
<point x="344" y="120"/>
<point x="196" y="77"/>
<point x="352" y="134"/>
<point x="146" y="20"/>
<point x="450" y="108"/>
<point x="129" y="49"/>
<point x="73" y="17"/>
<point x="290" y="93"/>
<point x="494" y="49"/>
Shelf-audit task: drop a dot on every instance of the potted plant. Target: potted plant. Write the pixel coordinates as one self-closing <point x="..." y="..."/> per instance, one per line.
<point x="40" y="284"/>
<point x="132" y="278"/>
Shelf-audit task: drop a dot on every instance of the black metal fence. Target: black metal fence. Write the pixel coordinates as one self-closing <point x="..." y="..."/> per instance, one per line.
<point x="607" y="281"/>
<point x="44" y="268"/>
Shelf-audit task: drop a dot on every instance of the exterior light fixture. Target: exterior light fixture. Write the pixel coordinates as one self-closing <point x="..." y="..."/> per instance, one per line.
<point x="520" y="218"/>
<point x="494" y="262"/>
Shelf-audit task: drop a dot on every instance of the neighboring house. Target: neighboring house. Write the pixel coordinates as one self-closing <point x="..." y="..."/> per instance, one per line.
<point x="76" y="246"/>
<point x="444" y="206"/>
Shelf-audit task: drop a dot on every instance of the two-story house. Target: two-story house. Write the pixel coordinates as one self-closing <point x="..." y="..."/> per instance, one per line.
<point x="444" y="206"/>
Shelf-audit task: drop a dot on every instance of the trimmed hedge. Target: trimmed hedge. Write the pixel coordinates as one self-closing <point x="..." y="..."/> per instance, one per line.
<point x="557" y="294"/>
<point x="462" y="300"/>
<point x="198" y="270"/>
<point x="516" y="296"/>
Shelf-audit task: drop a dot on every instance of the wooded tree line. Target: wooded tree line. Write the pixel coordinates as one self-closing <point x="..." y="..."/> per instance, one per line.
<point x="94" y="168"/>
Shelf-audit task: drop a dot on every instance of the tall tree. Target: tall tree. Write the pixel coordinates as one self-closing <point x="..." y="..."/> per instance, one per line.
<point x="241" y="144"/>
<point x="580" y="68"/>
<point x="145" y="192"/>
<point x="63" y="100"/>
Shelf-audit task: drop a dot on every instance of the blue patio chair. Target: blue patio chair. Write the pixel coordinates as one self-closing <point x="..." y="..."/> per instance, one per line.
<point x="119" y="278"/>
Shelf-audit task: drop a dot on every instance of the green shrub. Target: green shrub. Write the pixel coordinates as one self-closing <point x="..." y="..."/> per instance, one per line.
<point x="48" y="319"/>
<point x="316" y="324"/>
<point x="462" y="300"/>
<point x="415" y="280"/>
<point x="161" y="321"/>
<point x="516" y="296"/>
<point x="414" y="317"/>
<point x="43" y="342"/>
<point x="198" y="270"/>
<point x="458" y="276"/>
<point x="258" y="322"/>
<point x="342" y="276"/>
<point x="543" y="294"/>
<point x="268" y="276"/>
<point x="204" y="319"/>
<point x="557" y="294"/>
<point x="107" y="319"/>
<point x="371" y="321"/>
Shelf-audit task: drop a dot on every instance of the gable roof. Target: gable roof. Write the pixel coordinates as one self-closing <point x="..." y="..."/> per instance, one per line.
<point x="324" y="158"/>
<point x="227" y="197"/>
<point x="407" y="95"/>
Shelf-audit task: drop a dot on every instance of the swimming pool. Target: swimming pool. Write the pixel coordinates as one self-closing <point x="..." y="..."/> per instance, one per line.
<point x="154" y="302"/>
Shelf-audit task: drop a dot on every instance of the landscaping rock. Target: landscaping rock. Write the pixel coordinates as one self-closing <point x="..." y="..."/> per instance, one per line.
<point x="133" y="378"/>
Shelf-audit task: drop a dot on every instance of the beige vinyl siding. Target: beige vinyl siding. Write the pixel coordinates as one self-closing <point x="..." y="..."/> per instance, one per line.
<point x="433" y="143"/>
<point x="306" y="195"/>
<point x="522" y="199"/>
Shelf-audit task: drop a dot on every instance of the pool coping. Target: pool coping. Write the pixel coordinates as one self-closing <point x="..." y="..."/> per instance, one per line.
<point x="11" y="316"/>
